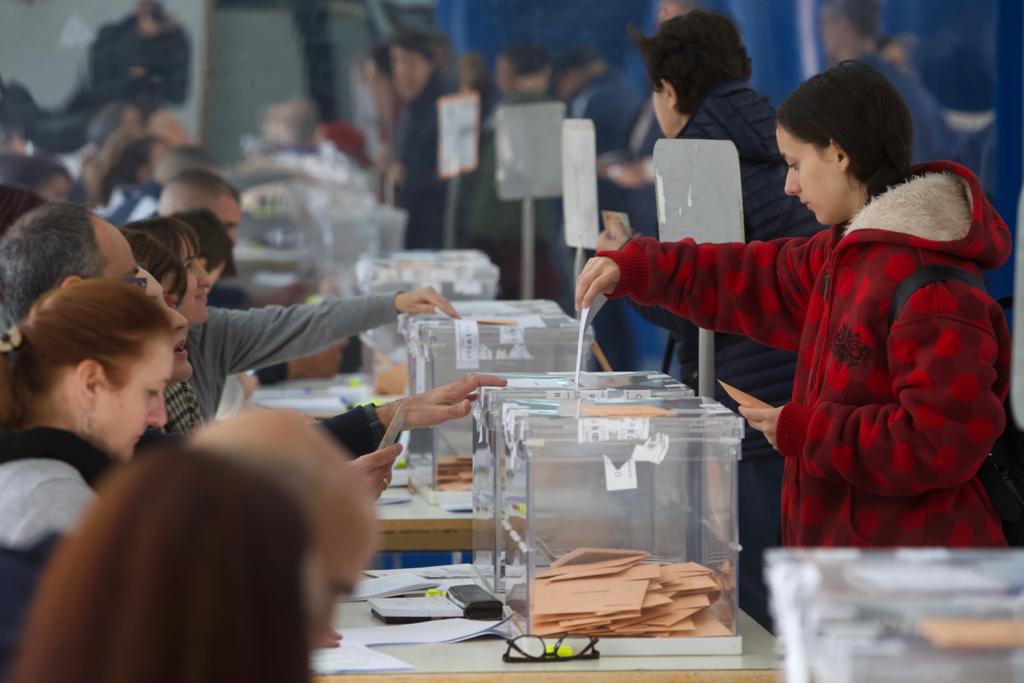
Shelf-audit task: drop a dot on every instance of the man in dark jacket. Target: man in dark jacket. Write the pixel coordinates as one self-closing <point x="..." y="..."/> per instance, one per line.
<point x="418" y="189"/>
<point x="698" y="69"/>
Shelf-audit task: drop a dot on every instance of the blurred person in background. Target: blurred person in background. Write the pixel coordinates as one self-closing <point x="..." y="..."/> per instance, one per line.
<point x="418" y="189"/>
<point x="128" y="597"/>
<point x="134" y="203"/>
<point x="199" y="189"/>
<point x="495" y="226"/>
<point x="851" y="29"/>
<point x="40" y="175"/>
<point x="633" y="167"/>
<point x="474" y="78"/>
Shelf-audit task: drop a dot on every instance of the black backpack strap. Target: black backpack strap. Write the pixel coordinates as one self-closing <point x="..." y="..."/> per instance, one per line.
<point x="926" y="275"/>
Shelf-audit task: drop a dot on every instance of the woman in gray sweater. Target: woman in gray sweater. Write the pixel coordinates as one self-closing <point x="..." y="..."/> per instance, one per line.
<point x="81" y="378"/>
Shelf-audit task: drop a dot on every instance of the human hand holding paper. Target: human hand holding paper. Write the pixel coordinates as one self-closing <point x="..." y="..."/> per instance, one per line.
<point x="760" y="415"/>
<point x="742" y="397"/>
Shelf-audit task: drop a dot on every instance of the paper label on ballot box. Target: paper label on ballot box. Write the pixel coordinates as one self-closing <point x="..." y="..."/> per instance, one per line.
<point x="595" y="429"/>
<point x="512" y="334"/>
<point x="467" y="345"/>
<point x="619" y="478"/>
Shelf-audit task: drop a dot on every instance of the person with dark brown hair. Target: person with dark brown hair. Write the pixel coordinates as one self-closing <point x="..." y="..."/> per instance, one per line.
<point x="215" y="248"/>
<point x="167" y="282"/>
<point x="81" y="378"/>
<point x="144" y="590"/>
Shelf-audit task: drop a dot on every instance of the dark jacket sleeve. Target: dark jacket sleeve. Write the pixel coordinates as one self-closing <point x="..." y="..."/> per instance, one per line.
<point x="358" y="430"/>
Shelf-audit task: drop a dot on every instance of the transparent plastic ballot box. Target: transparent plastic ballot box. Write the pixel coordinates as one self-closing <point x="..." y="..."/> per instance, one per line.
<point x="458" y="274"/>
<point x="620" y="523"/>
<point x="934" y="615"/>
<point x="491" y="337"/>
<point x="489" y="440"/>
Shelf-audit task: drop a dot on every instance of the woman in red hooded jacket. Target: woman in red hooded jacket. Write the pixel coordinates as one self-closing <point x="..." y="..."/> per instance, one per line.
<point x="888" y="424"/>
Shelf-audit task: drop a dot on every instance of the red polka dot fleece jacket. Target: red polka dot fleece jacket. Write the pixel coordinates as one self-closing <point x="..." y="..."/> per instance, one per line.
<point x="887" y="427"/>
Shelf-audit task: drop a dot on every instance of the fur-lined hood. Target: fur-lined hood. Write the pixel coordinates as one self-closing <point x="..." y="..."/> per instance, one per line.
<point x="941" y="207"/>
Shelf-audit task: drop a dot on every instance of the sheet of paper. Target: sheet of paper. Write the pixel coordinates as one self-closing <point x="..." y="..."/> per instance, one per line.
<point x="317" y="404"/>
<point x="619" y="478"/>
<point x="352" y="657"/>
<point x="394" y="497"/>
<point x="387" y="586"/>
<point x="458" y="123"/>
<point x="430" y="632"/>
<point x="444" y="571"/>
<point x="743" y="398"/>
<point x="587" y="316"/>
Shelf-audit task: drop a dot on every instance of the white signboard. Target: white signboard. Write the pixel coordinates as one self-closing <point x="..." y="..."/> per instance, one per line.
<point x="458" y="120"/>
<point x="579" y="183"/>
<point x="698" y="190"/>
<point x="1017" y="386"/>
<point x="529" y="150"/>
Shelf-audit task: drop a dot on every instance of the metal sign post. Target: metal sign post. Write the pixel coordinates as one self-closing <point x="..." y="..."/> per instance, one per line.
<point x="699" y="196"/>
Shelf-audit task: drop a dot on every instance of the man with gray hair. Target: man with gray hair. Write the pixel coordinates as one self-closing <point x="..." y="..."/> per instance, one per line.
<point x="54" y="245"/>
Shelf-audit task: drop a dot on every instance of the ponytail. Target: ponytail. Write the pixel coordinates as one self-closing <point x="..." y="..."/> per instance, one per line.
<point x="107" y="321"/>
<point x="854" y="106"/>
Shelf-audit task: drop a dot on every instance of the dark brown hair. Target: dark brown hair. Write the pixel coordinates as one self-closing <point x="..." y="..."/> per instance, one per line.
<point x="153" y="256"/>
<point x="188" y="568"/>
<point x="103" y="320"/>
<point x="214" y="244"/>
<point x="694" y="52"/>
<point x="173" y="233"/>
<point x="855" y="106"/>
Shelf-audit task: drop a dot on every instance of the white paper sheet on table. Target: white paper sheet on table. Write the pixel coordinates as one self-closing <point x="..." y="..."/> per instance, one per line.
<point x="321" y="405"/>
<point x="394" y="497"/>
<point x="353" y="657"/>
<point x="387" y="586"/>
<point x="444" y="571"/>
<point x="429" y="632"/>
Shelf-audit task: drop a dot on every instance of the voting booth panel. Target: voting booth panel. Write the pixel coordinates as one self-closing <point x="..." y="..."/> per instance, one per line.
<point x="489" y="450"/>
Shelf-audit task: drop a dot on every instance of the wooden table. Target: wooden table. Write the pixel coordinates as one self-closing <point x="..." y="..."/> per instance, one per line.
<point x="418" y="525"/>
<point x="479" y="661"/>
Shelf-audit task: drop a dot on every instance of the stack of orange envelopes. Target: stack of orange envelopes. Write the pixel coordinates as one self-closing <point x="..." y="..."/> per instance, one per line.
<point x="455" y="473"/>
<point x="608" y="593"/>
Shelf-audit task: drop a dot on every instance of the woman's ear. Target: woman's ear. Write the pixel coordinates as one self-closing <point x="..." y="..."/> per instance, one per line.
<point x="90" y="378"/>
<point x="837" y="154"/>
